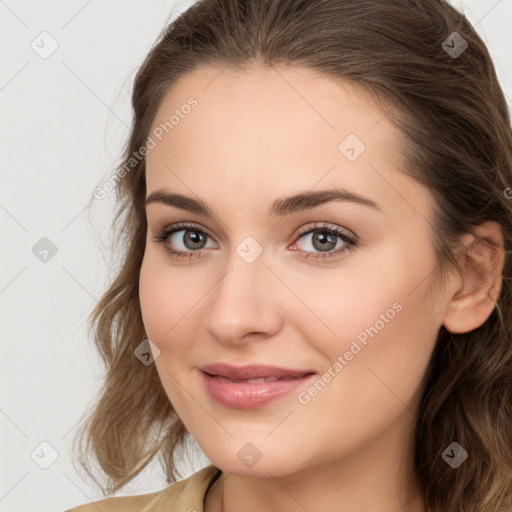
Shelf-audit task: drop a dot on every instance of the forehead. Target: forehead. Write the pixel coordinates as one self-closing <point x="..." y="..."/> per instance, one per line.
<point x="260" y="102"/>
<point x="267" y="132"/>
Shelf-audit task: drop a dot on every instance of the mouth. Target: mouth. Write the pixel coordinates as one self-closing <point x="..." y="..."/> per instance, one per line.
<point x="253" y="372"/>
<point x="251" y="387"/>
<point x="257" y="380"/>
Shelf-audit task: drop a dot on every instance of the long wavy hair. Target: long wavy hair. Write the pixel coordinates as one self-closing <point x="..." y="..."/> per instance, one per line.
<point x="457" y="141"/>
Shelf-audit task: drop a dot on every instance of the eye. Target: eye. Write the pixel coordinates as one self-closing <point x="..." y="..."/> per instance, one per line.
<point x="324" y="238"/>
<point x="193" y="239"/>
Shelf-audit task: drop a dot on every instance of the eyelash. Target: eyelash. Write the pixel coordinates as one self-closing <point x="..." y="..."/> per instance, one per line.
<point x="350" y="242"/>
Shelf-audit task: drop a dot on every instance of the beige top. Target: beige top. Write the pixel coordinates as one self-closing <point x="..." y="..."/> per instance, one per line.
<point x="187" y="495"/>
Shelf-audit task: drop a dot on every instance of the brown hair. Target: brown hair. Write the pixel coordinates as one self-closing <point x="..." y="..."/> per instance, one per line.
<point x="457" y="142"/>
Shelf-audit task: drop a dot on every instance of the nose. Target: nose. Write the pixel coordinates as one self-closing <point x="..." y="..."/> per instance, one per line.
<point x="245" y="304"/>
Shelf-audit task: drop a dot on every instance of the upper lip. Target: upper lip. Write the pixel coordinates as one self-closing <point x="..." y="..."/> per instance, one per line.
<point x="251" y="371"/>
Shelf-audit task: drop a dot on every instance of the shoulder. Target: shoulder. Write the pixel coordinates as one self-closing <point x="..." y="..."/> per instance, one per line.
<point x="187" y="495"/>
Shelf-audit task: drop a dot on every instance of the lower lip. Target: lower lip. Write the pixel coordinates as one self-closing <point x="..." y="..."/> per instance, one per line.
<point x="250" y="395"/>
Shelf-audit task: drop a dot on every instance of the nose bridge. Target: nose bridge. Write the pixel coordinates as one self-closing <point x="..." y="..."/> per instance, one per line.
<point x="241" y="301"/>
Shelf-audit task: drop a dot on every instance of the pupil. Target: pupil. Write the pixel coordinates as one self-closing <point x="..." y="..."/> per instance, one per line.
<point x="323" y="237"/>
<point x="194" y="237"/>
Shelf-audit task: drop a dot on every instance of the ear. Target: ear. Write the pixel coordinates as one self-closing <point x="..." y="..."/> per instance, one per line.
<point x="482" y="267"/>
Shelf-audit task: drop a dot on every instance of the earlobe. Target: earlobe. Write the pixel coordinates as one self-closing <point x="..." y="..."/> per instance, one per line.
<point x="482" y="267"/>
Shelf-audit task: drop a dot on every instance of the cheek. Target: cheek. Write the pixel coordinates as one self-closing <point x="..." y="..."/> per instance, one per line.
<point x="374" y="315"/>
<point x="374" y="364"/>
<point x="339" y="304"/>
<point x="158" y="299"/>
<point x="169" y="302"/>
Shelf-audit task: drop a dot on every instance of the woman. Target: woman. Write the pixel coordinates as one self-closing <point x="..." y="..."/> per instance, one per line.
<point x="316" y="208"/>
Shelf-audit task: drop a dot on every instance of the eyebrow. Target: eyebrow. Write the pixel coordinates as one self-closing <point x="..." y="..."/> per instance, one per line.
<point x="280" y="207"/>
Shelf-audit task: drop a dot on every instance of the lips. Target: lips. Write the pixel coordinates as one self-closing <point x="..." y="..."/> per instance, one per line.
<point x="253" y="373"/>
<point x="253" y="386"/>
<point x="254" y="381"/>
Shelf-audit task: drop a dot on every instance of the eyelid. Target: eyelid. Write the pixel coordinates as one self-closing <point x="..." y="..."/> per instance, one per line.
<point x="180" y="226"/>
<point x="327" y="226"/>
<point x="311" y="226"/>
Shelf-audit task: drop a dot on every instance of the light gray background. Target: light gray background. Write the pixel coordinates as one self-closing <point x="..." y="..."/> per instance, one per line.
<point x="64" y="120"/>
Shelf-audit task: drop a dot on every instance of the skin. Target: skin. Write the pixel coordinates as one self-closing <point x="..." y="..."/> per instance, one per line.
<point x="255" y="136"/>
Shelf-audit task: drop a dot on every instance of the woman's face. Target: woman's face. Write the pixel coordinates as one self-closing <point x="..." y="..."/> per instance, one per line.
<point x="256" y="286"/>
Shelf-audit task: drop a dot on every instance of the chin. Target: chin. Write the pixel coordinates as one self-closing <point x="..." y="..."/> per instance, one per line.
<point x="241" y="464"/>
